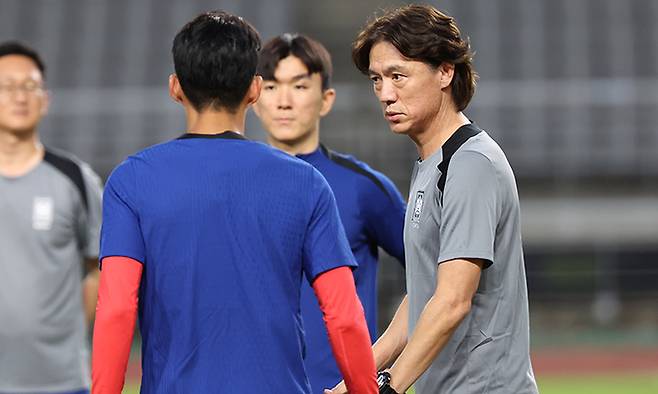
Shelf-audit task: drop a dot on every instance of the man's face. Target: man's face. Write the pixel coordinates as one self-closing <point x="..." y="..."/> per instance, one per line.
<point x="23" y="101"/>
<point x="290" y="106"/>
<point x="409" y="91"/>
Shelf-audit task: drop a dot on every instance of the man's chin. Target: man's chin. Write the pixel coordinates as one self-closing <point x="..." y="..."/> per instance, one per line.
<point x="288" y="139"/>
<point x="20" y="129"/>
<point x="398" y="128"/>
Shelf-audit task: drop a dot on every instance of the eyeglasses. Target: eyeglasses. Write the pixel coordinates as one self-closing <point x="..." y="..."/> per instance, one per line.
<point x="27" y="87"/>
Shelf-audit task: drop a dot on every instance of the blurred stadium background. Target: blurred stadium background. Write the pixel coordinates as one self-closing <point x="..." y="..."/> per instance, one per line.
<point x="569" y="88"/>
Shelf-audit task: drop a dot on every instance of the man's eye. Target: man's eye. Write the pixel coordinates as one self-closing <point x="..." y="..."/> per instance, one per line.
<point x="268" y="87"/>
<point x="30" y="86"/>
<point x="301" y="87"/>
<point x="397" y="77"/>
<point x="375" y="78"/>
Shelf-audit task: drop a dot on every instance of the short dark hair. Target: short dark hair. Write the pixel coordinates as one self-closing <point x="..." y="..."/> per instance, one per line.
<point x="215" y="58"/>
<point x="18" y="48"/>
<point x="422" y="33"/>
<point x="314" y="55"/>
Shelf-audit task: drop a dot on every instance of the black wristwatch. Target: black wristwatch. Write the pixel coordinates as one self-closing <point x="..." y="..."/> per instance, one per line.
<point x="384" y="383"/>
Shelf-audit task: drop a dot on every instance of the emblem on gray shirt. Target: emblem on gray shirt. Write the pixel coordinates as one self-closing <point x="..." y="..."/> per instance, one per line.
<point x="418" y="206"/>
<point x="42" y="213"/>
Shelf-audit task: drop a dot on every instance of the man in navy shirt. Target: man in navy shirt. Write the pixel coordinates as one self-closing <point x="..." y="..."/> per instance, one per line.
<point x="296" y="94"/>
<point x="209" y="236"/>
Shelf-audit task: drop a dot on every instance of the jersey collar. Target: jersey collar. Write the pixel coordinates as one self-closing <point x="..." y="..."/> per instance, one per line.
<point x="228" y="134"/>
<point x="321" y="150"/>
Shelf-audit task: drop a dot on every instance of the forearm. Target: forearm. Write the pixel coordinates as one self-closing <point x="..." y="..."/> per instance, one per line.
<point x="435" y="326"/>
<point x="113" y="336"/>
<point x="90" y="294"/>
<point x="347" y="329"/>
<point x="391" y="343"/>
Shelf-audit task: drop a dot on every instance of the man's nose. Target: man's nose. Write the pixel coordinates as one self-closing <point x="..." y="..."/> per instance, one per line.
<point x="387" y="93"/>
<point x="284" y="100"/>
<point x="19" y="94"/>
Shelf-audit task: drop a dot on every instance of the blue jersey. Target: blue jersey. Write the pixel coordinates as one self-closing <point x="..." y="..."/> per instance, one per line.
<point x="226" y="229"/>
<point x="372" y="212"/>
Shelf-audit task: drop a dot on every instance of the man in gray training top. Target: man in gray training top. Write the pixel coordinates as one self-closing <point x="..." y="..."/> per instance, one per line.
<point x="49" y="224"/>
<point x="463" y="327"/>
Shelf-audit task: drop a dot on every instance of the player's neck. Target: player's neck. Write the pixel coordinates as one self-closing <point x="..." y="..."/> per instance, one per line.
<point x="442" y="127"/>
<point x="19" y="153"/>
<point x="213" y="122"/>
<point x="302" y="146"/>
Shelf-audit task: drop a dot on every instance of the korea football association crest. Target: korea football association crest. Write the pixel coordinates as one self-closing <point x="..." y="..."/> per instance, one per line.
<point x="418" y="207"/>
<point x="42" y="213"/>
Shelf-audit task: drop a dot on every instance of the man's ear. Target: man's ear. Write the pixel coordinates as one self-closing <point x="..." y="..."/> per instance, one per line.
<point x="175" y="90"/>
<point x="446" y="72"/>
<point x="254" y="89"/>
<point x="256" y="108"/>
<point x="45" y="105"/>
<point x="328" y="98"/>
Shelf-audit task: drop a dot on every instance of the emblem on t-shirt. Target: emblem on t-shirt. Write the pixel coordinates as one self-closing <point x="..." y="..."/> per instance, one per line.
<point x="42" y="213"/>
<point x="418" y="207"/>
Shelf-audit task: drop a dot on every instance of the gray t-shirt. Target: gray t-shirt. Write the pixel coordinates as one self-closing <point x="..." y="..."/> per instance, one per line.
<point x="49" y="221"/>
<point x="463" y="203"/>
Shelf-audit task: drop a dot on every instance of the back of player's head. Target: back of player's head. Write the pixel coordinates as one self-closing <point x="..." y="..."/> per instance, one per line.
<point x="314" y="55"/>
<point x="18" y="48"/>
<point x="422" y="33"/>
<point x="215" y="58"/>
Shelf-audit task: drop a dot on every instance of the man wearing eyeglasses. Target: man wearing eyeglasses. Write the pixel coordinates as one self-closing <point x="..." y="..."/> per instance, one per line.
<point x="49" y="225"/>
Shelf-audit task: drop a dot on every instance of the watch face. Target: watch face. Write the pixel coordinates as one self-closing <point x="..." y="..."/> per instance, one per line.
<point x="383" y="379"/>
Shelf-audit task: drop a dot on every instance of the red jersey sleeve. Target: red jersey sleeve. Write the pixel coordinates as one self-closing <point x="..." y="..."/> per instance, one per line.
<point x="347" y="328"/>
<point x="116" y="312"/>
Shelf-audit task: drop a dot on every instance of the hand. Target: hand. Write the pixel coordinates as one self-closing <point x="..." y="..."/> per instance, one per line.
<point x="339" y="389"/>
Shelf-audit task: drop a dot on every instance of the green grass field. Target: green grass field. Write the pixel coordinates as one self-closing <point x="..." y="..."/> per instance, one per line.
<point x="600" y="384"/>
<point x="605" y="384"/>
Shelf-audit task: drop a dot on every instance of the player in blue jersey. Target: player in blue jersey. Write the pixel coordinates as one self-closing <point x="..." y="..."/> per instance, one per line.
<point x="209" y="237"/>
<point x="296" y="94"/>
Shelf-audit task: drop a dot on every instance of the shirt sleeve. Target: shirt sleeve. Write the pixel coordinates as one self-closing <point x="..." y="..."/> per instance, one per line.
<point x="325" y="243"/>
<point x="116" y="312"/>
<point x="91" y="227"/>
<point x="121" y="234"/>
<point x="469" y="214"/>
<point x="384" y="211"/>
<point x="347" y="329"/>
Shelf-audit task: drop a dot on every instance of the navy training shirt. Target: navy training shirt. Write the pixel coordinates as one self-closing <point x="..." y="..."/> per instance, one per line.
<point x="225" y="228"/>
<point x="372" y="212"/>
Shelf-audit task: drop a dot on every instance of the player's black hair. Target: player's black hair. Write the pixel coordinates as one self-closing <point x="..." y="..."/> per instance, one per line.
<point x="215" y="58"/>
<point x="422" y="33"/>
<point x="18" y="48"/>
<point x="314" y="55"/>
